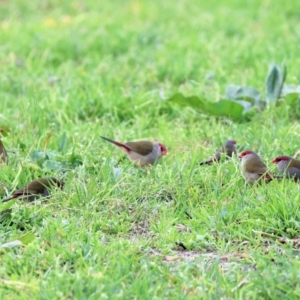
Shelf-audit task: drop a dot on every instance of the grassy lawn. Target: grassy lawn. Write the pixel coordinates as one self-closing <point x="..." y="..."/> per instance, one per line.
<point x="74" y="70"/>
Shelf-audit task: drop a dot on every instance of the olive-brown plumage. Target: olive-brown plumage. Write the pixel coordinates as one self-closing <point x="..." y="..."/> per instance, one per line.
<point x="35" y="189"/>
<point x="229" y="149"/>
<point x="141" y="153"/>
<point x="253" y="168"/>
<point x="3" y="153"/>
<point x="288" y="166"/>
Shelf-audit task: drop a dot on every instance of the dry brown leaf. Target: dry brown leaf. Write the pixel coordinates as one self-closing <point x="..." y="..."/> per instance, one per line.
<point x="171" y="258"/>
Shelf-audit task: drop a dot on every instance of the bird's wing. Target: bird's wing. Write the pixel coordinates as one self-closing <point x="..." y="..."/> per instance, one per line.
<point x="295" y="163"/>
<point x="230" y="151"/>
<point x="224" y="150"/>
<point x="140" y="147"/>
<point x="216" y="157"/>
<point x="293" y="172"/>
<point x="38" y="186"/>
<point x="24" y="191"/>
<point x="257" y="166"/>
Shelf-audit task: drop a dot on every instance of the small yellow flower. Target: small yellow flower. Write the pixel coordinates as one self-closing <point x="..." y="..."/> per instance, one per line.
<point x="50" y="22"/>
<point x="136" y="7"/>
<point x="66" y="19"/>
<point x="5" y="24"/>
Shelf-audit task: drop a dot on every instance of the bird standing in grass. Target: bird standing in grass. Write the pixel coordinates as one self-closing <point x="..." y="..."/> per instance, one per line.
<point x="229" y="149"/>
<point x="288" y="166"/>
<point x="36" y="189"/>
<point x="142" y="153"/>
<point x="253" y="168"/>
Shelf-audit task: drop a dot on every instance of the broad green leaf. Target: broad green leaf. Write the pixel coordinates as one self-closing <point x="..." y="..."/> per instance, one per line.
<point x="225" y="108"/>
<point x="288" y="89"/>
<point x="37" y="155"/>
<point x="275" y="81"/>
<point x="26" y="238"/>
<point x="283" y="75"/>
<point x="273" y="84"/>
<point x="293" y="101"/>
<point x="42" y="157"/>
<point x="52" y="165"/>
<point x="191" y="101"/>
<point x="292" y="98"/>
<point x="247" y="105"/>
<point x="247" y="93"/>
<point x="22" y="240"/>
<point x="50" y="155"/>
<point x="7" y="205"/>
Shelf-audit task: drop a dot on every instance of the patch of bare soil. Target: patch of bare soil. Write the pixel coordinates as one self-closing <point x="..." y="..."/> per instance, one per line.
<point x="188" y="255"/>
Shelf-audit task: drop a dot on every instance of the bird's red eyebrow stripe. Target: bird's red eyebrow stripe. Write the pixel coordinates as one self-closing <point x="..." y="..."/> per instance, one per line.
<point x="280" y="158"/>
<point x="247" y="152"/>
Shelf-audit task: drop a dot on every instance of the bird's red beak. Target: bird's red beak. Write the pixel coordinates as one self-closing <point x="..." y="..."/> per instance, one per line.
<point x="274" y="161"/>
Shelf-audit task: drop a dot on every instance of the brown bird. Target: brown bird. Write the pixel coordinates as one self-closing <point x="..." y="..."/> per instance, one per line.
<point x="229" y="148"/>
<point x="3" y="153"/>
<point x="288" y="166"/>
<point x="141" y="153"/>
<point x="36" y="189"/>
<point x="253" y="168"/>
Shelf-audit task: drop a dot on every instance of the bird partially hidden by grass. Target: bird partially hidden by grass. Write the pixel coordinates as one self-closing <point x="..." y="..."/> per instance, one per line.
<point x="142" y="153"/>
<point x="228" y="148"/>
<point x="288" y="166"/>
<point x="36" y="189"/>
<point x="254" y="169"/>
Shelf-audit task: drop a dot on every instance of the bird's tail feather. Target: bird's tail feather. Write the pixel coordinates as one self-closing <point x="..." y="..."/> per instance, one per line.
<point x="116" y="143"/>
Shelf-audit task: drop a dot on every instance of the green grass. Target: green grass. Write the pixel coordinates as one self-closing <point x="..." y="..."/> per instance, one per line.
<point x="74" y="70"/>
